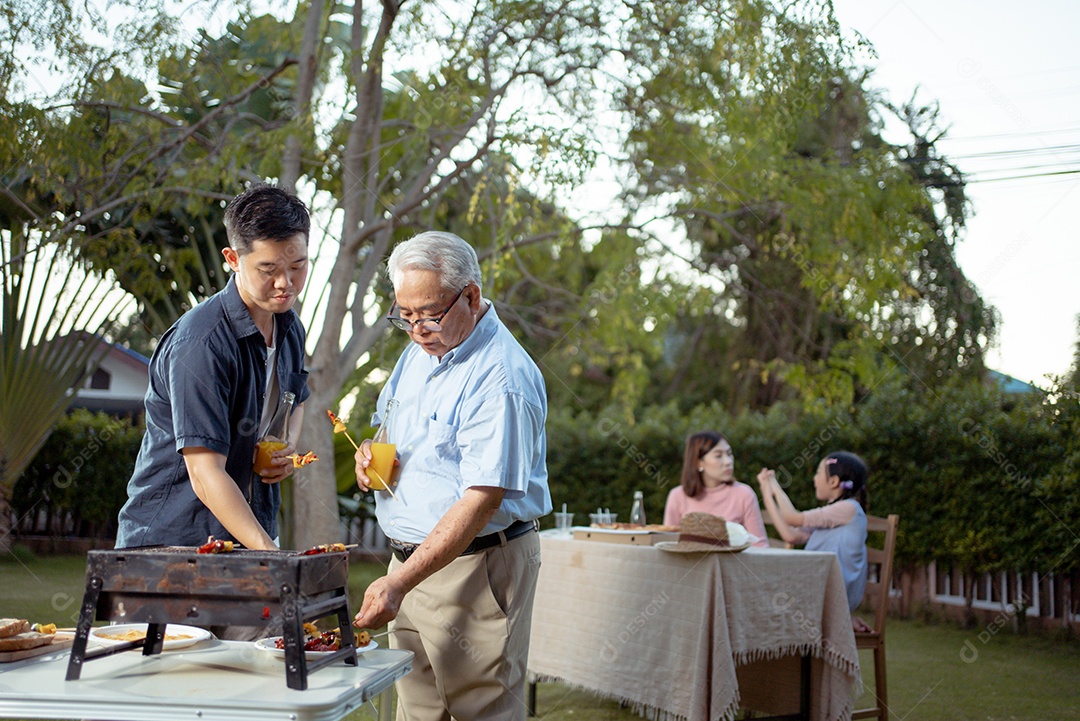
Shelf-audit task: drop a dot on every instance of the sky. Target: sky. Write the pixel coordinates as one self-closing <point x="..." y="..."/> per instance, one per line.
<point x="1007" y="79"/>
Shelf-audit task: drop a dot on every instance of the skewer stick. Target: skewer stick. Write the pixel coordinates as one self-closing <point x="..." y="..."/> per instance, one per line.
<point x="339" y="427"/>
<point x="389" y="490"/>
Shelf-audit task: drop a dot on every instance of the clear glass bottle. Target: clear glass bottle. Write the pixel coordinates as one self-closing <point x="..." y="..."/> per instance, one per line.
<point x="383" y="434"/>
<point x="637" y="511"/>
<point x="277" y="433"/>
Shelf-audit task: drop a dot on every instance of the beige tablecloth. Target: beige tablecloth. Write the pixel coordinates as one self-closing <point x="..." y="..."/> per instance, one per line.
<point x="690" y="636"/>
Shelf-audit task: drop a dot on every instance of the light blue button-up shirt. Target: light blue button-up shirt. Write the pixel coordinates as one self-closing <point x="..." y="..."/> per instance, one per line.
<point x="473" y="418"/>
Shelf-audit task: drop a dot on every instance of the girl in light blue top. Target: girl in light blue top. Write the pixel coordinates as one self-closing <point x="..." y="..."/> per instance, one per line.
<point x="838" y="527"/>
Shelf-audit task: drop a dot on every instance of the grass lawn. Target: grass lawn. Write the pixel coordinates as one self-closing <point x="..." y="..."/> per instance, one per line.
<point x="936" y="672"/>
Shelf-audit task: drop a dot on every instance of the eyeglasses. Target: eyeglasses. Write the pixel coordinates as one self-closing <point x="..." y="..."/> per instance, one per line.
<point x="432" y="325"/>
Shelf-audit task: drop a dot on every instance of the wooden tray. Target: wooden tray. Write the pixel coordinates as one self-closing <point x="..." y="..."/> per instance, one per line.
<point x="611" y="535"/>
<point x="59" y="643"/>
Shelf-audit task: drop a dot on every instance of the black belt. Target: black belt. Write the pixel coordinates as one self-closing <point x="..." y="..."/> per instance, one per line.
<point x="403" y="550"/>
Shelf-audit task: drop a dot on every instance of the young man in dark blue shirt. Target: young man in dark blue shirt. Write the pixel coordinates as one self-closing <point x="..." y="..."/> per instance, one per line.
<point x="215" y="380"/>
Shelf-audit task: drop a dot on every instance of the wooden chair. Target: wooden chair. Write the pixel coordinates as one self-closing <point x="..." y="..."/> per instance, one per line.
<point x="880" y="561"/>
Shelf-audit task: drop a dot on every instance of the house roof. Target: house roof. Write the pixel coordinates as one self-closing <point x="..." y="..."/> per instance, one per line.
<point x="1008" y="384"/>
<point x="128" y="356"/>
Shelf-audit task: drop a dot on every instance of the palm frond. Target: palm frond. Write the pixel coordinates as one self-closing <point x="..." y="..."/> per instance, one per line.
<point x="52" y="318"/>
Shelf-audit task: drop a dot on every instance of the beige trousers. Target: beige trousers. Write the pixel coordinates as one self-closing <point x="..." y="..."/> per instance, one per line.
<point x="469" y="626"/>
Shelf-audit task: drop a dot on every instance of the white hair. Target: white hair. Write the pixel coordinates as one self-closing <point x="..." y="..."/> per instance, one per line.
<point x="444" y="253"/>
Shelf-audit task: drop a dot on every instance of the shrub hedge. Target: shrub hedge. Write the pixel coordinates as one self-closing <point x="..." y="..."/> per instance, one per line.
<point x="78" y="481"/>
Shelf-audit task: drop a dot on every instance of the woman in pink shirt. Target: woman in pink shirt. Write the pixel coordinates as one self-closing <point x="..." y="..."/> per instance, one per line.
<point x="708" y="485"/>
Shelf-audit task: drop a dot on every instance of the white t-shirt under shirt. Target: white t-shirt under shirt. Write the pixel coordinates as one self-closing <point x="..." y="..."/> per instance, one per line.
<point x="270" y="395"/>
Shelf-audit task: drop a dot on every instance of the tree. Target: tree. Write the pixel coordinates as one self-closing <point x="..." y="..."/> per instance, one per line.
<point x="743" y="129"/>
<point x="53" y="306"/>
<point x="148" y="162"/>
<point x="818" y="242"/>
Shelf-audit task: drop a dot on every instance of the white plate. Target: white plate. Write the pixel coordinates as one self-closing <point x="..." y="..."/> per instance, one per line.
<point x="270" y="646"/>
<point x="617" y="531"/>
<point x="194" y="635"/>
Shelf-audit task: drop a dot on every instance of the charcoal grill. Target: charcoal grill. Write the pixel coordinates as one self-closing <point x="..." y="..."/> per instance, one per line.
<point x="159" y="585"/>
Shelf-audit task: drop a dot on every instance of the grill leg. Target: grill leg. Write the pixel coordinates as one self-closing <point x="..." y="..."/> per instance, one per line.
<point x="293" y="632"/>
<point x="82" y="631"/>
<point x="155" y="639"/>
<point x="348" y="637"/>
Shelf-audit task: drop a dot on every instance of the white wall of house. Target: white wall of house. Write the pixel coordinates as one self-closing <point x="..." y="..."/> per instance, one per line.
<point x="120" y="383"/>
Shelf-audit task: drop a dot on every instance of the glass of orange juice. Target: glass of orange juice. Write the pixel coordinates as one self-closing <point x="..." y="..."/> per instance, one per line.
<point x="382" y="465"/>
<point x="263" y="450"/>
<point x="383" y="452"/>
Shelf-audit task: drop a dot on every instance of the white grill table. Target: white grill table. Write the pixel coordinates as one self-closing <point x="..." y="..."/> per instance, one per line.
<point x="211" y="681"/>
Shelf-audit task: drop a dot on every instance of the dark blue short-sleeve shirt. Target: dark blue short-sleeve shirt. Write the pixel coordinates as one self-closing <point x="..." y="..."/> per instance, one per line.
<point x="207" y="381"/>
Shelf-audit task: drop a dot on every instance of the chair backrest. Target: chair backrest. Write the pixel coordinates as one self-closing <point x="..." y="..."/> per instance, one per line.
<point x="880" y="561"/>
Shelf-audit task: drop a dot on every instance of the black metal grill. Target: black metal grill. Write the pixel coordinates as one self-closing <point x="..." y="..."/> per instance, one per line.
<point x="159" y="585"/>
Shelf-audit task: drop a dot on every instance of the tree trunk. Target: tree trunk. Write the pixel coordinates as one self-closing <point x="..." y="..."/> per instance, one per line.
<point x="305" y="85"/>
<point x="5" y="515"/>
<point x="315" y="508"/>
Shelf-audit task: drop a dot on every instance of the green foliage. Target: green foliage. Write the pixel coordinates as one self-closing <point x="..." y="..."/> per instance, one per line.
<point x="79" y="480"/>
<point x="753" y="129"/>
<point x="818" y="255"/>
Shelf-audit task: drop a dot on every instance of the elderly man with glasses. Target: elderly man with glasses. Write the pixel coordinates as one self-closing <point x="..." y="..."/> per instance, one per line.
<point x="471" y="482"/>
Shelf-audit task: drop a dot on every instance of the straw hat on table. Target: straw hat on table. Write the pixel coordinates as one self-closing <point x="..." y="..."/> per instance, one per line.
<point x="705" y="533"/>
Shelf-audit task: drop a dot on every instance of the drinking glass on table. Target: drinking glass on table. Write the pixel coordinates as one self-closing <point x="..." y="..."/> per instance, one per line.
<point x="564" y="520"/>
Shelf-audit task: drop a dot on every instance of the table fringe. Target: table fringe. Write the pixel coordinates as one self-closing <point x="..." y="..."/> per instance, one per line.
<point x="830" y="656"/>
<point x="644" y="710"/>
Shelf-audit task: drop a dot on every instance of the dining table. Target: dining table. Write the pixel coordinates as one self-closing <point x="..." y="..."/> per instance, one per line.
<point x="213" y="680"/>
<point x="695" y="636"/>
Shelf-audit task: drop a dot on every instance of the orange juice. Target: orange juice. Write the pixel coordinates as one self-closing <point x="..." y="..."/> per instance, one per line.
<point x="263" y="451"/>
<point x="382" y="465"/>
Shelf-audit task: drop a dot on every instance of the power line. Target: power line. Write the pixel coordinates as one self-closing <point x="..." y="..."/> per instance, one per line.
<point x="1046" y="150"/>
<point x="1060" y="174"/>
<point x="1017" y="134"/>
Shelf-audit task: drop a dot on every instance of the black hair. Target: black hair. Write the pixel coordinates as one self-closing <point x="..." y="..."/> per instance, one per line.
<point x="852" y="472"/>
<point x="265" y="212"/>
<point x="697" y="445"/>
